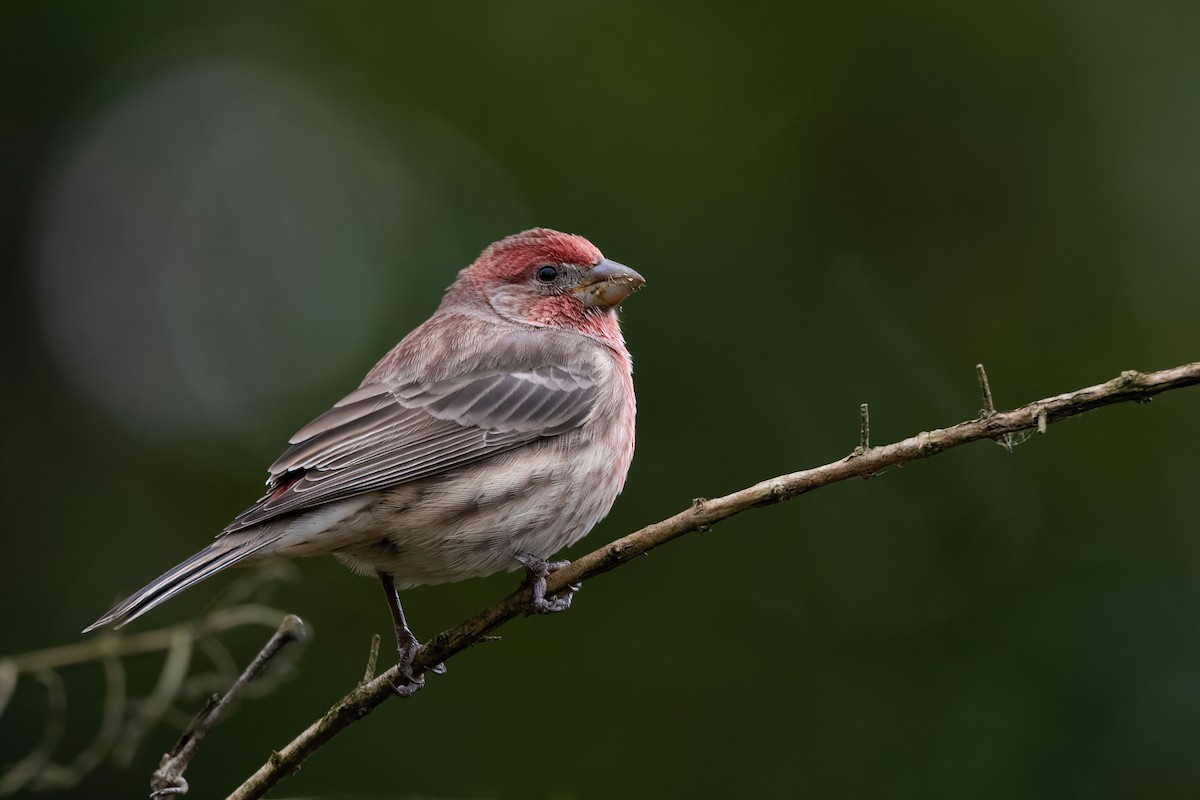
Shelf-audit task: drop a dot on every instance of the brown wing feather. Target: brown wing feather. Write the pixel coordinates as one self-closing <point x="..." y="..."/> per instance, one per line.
<point x="378" y="436"/>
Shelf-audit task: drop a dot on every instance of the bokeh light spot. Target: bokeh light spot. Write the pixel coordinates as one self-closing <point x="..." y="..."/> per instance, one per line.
<point x="217" y="238"/>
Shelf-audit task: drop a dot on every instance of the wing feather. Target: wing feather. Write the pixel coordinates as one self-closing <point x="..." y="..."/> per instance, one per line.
<point x="380" y="436"/>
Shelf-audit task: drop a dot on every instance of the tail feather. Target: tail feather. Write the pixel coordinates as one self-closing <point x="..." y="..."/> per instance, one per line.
<point x="223" y="553"/>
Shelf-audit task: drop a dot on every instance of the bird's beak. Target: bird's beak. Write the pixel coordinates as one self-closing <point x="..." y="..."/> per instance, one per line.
<point x="607" y="284"/>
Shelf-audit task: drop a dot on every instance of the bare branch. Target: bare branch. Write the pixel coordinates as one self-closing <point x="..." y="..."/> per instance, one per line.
<point x="1130" y="386"/>
<point x="127" y="717"/>
<point x="168" y="778"/>
<point x="701" y="515"/>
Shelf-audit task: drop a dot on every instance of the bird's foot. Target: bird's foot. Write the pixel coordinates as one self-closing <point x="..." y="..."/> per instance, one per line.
<point x="412" y="682"/>
<point x="536" y="572"/>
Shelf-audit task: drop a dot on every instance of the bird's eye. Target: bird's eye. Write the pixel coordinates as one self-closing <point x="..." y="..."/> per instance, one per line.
<point x="547" y="274"/>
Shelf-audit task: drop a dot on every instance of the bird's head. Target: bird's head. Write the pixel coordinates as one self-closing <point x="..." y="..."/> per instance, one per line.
<point x="547" y="278"/>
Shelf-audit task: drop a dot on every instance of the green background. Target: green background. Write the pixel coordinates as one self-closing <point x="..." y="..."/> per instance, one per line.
<point x="217" y="216"/>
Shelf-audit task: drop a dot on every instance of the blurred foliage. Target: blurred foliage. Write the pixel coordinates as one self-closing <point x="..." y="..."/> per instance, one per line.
<point x="194" y="664"/>
<point x="216" y="216"/>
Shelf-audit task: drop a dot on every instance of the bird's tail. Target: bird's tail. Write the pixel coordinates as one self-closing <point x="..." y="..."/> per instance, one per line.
<point x="225" y="552"/>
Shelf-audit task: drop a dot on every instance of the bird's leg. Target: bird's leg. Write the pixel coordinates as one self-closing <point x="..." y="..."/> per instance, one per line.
<point x="536" y="571"/>
<point x="407" y="645"/>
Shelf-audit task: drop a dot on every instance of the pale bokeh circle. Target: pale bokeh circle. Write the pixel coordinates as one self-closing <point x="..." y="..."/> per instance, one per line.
<point x="214" y="240"/>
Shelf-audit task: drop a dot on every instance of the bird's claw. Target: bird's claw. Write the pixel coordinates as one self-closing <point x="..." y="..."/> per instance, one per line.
<point x="536" y="572"/>
<point x="560" y="603"/>
<point x="410" y="687"/>
<point x="412" y="681"/>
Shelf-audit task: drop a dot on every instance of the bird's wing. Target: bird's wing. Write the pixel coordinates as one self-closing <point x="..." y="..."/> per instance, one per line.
<point x="380" y="436"/>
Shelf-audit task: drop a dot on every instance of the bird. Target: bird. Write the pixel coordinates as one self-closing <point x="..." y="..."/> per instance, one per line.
<point x="495" y="434"/>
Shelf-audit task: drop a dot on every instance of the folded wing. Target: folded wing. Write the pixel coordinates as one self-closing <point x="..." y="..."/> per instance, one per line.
<point x="380" y="436"/>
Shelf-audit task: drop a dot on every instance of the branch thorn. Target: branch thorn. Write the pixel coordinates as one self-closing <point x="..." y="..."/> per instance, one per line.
<point x="864" y="431"/>
<point x="372" y="659"/>
<point x="985" y="389"/>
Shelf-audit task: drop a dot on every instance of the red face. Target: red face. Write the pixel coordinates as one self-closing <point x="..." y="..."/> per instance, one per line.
<point x="543" y="277"/>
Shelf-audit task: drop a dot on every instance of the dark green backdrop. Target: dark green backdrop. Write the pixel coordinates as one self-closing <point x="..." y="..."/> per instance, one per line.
<point x="216" y="216"/>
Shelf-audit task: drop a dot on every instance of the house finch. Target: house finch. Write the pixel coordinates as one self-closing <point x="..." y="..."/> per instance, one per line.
<point x="492" y="436"/>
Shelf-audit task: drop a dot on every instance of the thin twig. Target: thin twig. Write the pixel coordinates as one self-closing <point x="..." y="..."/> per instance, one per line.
<point x="168" y="778"/>
<point x="985" y="389"/>
<point x="864" y="430"/>
<point x="372" y="659"/>
<point x="1009" y="440"/>
<point x="1130" y="386"/>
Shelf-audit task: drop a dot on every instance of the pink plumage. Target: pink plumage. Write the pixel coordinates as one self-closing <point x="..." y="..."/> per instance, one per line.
<point x="495" y="434"/>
